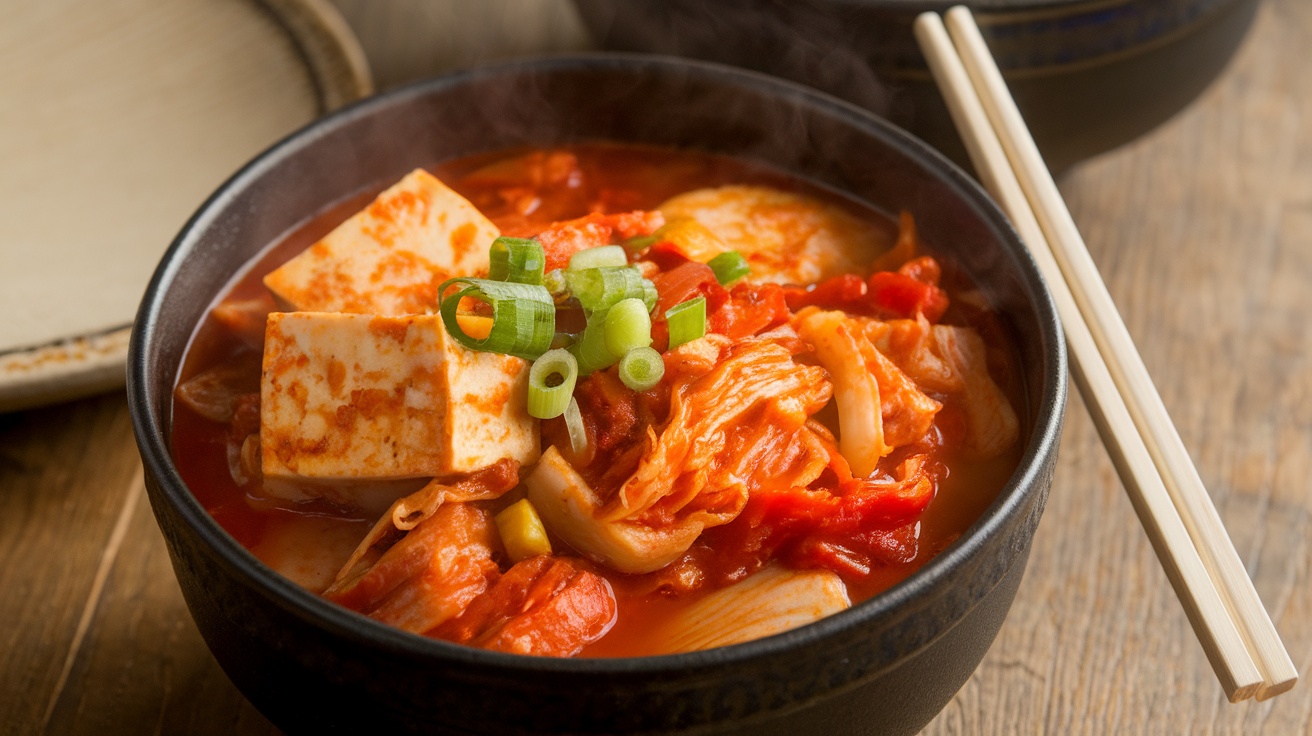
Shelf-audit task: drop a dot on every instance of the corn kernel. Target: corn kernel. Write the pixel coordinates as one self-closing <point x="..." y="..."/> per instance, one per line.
<point x="522" y="532"/>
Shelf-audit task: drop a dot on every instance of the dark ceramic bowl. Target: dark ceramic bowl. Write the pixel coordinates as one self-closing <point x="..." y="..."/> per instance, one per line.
<point x="885" y="666"/>
<point x="1088" y="75"/>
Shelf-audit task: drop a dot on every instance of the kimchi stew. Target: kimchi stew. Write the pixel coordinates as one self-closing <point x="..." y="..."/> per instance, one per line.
<point x="598" y="400"/>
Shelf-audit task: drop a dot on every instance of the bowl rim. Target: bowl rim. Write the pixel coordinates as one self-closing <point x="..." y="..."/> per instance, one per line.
<point x="153" y="443"/>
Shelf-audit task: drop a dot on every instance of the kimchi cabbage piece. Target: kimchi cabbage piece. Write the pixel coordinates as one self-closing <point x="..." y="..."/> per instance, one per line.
<point x="781" y="466"/>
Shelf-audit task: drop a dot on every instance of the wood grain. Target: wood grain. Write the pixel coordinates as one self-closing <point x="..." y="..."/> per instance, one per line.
<point x="1196" y="229"/>
<point x="1203" y="232"/>
<point x="143" y="661"/>
<point x="64" y="477"/>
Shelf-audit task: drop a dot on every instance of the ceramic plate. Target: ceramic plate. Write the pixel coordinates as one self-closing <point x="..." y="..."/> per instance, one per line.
<point x="117" y="118"/>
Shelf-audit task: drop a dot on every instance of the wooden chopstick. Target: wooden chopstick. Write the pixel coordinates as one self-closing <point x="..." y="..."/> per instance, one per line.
<point x="1222" y="642"/>
<point x="1169" y="455"/>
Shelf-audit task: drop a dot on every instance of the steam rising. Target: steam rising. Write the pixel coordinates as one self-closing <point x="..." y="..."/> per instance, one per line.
<point x="794" y="39"/>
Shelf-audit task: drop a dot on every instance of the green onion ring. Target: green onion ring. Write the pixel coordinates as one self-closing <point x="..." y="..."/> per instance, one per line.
<point x="641" y="242"/>
<point x="687" y="321"/>
<point x="628" y="326"/>
<point x="599" y="289"/>
<point x="605" y="255"/>
<point x="555" y="282"/>
<point x="523" y="316"/>
<point x="590" y="347"/>
<point x="729" y="266"/>
<point x="518" y="260"/>
<point x="546" y="401"/>
<point x="649" y="294"/>
<point x="641" y="368"/>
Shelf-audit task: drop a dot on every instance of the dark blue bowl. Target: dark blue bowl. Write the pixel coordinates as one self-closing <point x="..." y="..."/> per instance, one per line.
<point x="885" y="666"/>
<point x="1088" y="75"/>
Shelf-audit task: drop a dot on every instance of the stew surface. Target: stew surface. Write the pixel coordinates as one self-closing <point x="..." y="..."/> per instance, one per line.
<point x="936" y="468"/>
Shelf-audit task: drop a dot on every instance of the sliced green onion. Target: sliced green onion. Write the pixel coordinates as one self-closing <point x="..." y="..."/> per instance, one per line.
<point x="729" y="266"/>
<point x="687" y="321"/>
<point x="518" y="260"/>
<point x="606" y="255"/>
<point x="551" y="383"/>
<point x="641" y="242"/>
<point x="523" y="316"/>
<point x="641" y="368"/>
<point x="649" y="294"/>
<point x="555" y="281"/>
<point x="628" y="326"/>
<point x="578" y="434"/>
<point x="590" y="347"/>
<point x="599" y="289"/>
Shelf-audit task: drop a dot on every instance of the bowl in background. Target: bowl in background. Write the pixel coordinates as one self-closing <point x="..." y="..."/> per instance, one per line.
<point x="887" y="665"/>
<point x="1088" y="75"/>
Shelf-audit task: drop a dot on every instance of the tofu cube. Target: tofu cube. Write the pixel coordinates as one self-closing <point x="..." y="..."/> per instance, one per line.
<point x="390" y="257"/>
<point x="364" y="397"/>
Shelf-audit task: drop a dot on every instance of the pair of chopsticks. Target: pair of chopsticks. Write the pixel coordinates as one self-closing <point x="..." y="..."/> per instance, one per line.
<point x="1175" y="509"/>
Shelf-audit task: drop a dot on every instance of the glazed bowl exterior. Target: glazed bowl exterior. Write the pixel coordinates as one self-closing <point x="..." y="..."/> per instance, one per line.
<point x="885" y="666"/>
<point x="1088" y="75"/>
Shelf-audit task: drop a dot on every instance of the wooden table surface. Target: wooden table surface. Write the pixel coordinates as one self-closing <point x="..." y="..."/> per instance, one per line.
<point x="1203" y="231"/>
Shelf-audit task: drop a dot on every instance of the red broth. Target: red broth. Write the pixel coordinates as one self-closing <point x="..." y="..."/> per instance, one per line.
<point x="608" y="178"/>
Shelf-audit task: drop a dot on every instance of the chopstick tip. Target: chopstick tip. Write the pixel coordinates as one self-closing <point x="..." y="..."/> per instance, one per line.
<point x="930" y="33"/>
<point x="1244" y="692"/>
<point x="1266" y="692"/>
<point x="927" y="17"/>
<point x="958" y="11"/>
